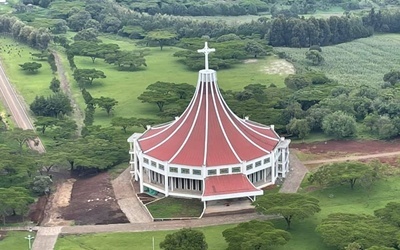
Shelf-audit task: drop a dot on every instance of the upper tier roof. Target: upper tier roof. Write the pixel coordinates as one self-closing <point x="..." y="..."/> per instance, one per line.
<point x="208" y="133"/>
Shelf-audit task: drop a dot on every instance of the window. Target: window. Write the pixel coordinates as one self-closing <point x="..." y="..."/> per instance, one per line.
<point x="160" y="166"/>
<point x="258" y="163"/>
<point x="250" y="166"/>
<point x="212" y="172"/>
<point x="267" y="160"/>
<point x="153" y="164"/>
<point x="236" y="170"/>
<point x="185" y="171"/>
<point x="173" y="170"/>
<point x="145" y="160"/>
<point x="196" y="172"/>
<point x="224" y="170"/>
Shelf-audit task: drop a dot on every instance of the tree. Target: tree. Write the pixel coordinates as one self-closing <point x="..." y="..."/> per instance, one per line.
<point x="390" y="213"/>
<point x="31" y="66"/>
<point x="255" y="235"/>
<point x="161" y="37"/>
<point x="21" y="136"/>
<point x="88" y="35"/>
<point x="42" y="123"/>
<point x="297" y="82"/>
<point x="41" y="184"/>
<point x="288" y="205"/>
<point x="339" y="124"/>
<point x="55" y="85"/>
<point x="299" y="128"/>
<point x="124" y="122"/>
<point x="341" y="172"/>
<point x="126" y="60"/>
<point x="185" y="239"/>
<point x="13" y="201"/>
<point x="76" y="22"/>
<point x="392" y="77"/>
<point x="105" y="103"/>
<point x="160" y="93"/>
<point x="341" y="229"/>
<point x="86" y="76"/>
<point x="255" y="48"/>
<point x="315" y="57"/>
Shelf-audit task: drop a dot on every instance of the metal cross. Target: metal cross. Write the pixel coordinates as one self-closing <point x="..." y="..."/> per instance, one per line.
<point x="206" y="50"/>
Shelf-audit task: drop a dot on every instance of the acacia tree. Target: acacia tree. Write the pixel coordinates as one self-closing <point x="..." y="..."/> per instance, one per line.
<point x="161" y="37"/>
<point x="341" y="229"/>
<point x="86" y="76"/>
<point x="31" y="66"/>
<point x="21" y="136"/>
<point x="255" y="235"/>
<point x="105" y="103"/>
<point x="160" y="93"/>
<point x="288" y="205"/>
<point x="14" y="201"/>
<point x="185" y="238"/>
<point x="124" y="122"/>
<point x="340" y="172"/>
<point x="390" y="213"/>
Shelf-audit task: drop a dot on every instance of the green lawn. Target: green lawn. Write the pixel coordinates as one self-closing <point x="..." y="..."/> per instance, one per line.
<point x="142" y="240"/>
<point x="126" y="86"/>
<point x="304" y="237"/>
<point x="363" y="61"/>
<point x="15" y="241"/>
<point x="175" y="208"/>
<point x="27" y="84"/>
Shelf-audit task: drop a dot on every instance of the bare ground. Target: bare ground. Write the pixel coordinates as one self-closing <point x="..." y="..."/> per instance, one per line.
<point x="279" y="67"/>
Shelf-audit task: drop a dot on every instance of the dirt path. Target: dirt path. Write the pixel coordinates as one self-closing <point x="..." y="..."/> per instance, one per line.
<point x="46" y="238"/>
<point x="352" y="158"/>
<point x="127" y="200"/>
<point x="77" y="115"/>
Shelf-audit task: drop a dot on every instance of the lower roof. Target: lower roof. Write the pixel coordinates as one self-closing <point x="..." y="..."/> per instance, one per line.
<point x="228" y="187"/>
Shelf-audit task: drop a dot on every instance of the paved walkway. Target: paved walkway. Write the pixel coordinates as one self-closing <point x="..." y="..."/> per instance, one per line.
<point x="46" y="238"/>
<point x="127" y="200"/>
<point x="295" y="175"/>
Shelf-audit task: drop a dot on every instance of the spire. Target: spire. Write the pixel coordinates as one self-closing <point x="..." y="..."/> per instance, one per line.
<point x="206" y="50"/>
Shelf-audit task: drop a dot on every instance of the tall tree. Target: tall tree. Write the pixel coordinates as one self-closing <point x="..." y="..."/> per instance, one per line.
<point x="255" y="235"/>
<point x="341" y="229"/>
<point x="289" y="206"/>
<point x="161" y="37"/>
<point x="160" y="93"/>
<point x="339" y="124"/>
<point x="185" y="238"/>
<point x="86" y="77"/>
<point x="105" y="103"/>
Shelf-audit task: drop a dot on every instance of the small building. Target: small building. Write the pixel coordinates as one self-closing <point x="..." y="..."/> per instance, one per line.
<point x="208" y="152"/>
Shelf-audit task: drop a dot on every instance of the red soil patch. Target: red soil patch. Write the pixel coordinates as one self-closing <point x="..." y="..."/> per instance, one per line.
<point x="344" y="148"/>
<point x="93" y="202"/>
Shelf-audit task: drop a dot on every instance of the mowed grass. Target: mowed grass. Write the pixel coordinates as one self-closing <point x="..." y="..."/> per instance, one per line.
<point x="125" y="86"/>
<point x="141" y="240"/>
<point x="360" y="62"/>
<point x="27" y="84"/>
<point x="175" y="208"/>
<point x="304" y="236"/>
<point x="15" y="240"/>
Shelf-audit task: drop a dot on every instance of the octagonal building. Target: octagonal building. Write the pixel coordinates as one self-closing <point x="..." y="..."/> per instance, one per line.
<point x="208" y="152"/>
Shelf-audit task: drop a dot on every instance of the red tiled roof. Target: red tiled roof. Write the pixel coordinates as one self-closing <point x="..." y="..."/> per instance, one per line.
<point x="208" y="132"/>
<point x="229" y="185"/>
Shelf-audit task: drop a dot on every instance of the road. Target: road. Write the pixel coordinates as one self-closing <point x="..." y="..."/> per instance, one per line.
<point x="16" y="108"/>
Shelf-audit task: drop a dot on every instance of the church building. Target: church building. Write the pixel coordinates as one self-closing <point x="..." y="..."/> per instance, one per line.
<point x="208" y="152"/>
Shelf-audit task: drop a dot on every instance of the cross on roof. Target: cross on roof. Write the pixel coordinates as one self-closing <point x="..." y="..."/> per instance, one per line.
<point x="206" y="50"/>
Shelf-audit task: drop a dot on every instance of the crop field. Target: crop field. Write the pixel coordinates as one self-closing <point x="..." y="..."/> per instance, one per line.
<point x="360" y="62"/>
<point x="125" y="86"/>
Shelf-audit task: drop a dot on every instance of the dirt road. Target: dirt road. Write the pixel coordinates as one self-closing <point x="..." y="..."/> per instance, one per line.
<point x="16" y="108"/>
<point x="352" y="158"/>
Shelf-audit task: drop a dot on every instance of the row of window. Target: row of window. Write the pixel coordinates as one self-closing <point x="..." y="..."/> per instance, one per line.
<point x="210" y="172"/>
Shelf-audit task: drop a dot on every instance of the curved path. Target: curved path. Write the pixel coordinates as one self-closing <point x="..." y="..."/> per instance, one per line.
<point x="16" y="108"/>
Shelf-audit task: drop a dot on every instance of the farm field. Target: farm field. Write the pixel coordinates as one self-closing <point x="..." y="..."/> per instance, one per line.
<point x="304" y="237"/>
<point x="125" y="86"/>
<point x="360" y="62"/>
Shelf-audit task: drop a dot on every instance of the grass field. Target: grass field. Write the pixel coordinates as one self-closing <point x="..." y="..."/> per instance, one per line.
<point x="126" y="86"/>
<point x="15" y="241"/>
<point x="28" y="85"/>
<point x="363" y="61"/>
<point x="142" y="240"/>
<point x="304" y="237"/>
<point x="172" y="208"/>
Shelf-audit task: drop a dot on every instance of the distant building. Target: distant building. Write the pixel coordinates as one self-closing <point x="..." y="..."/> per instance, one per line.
<point x="208" y="152"/>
